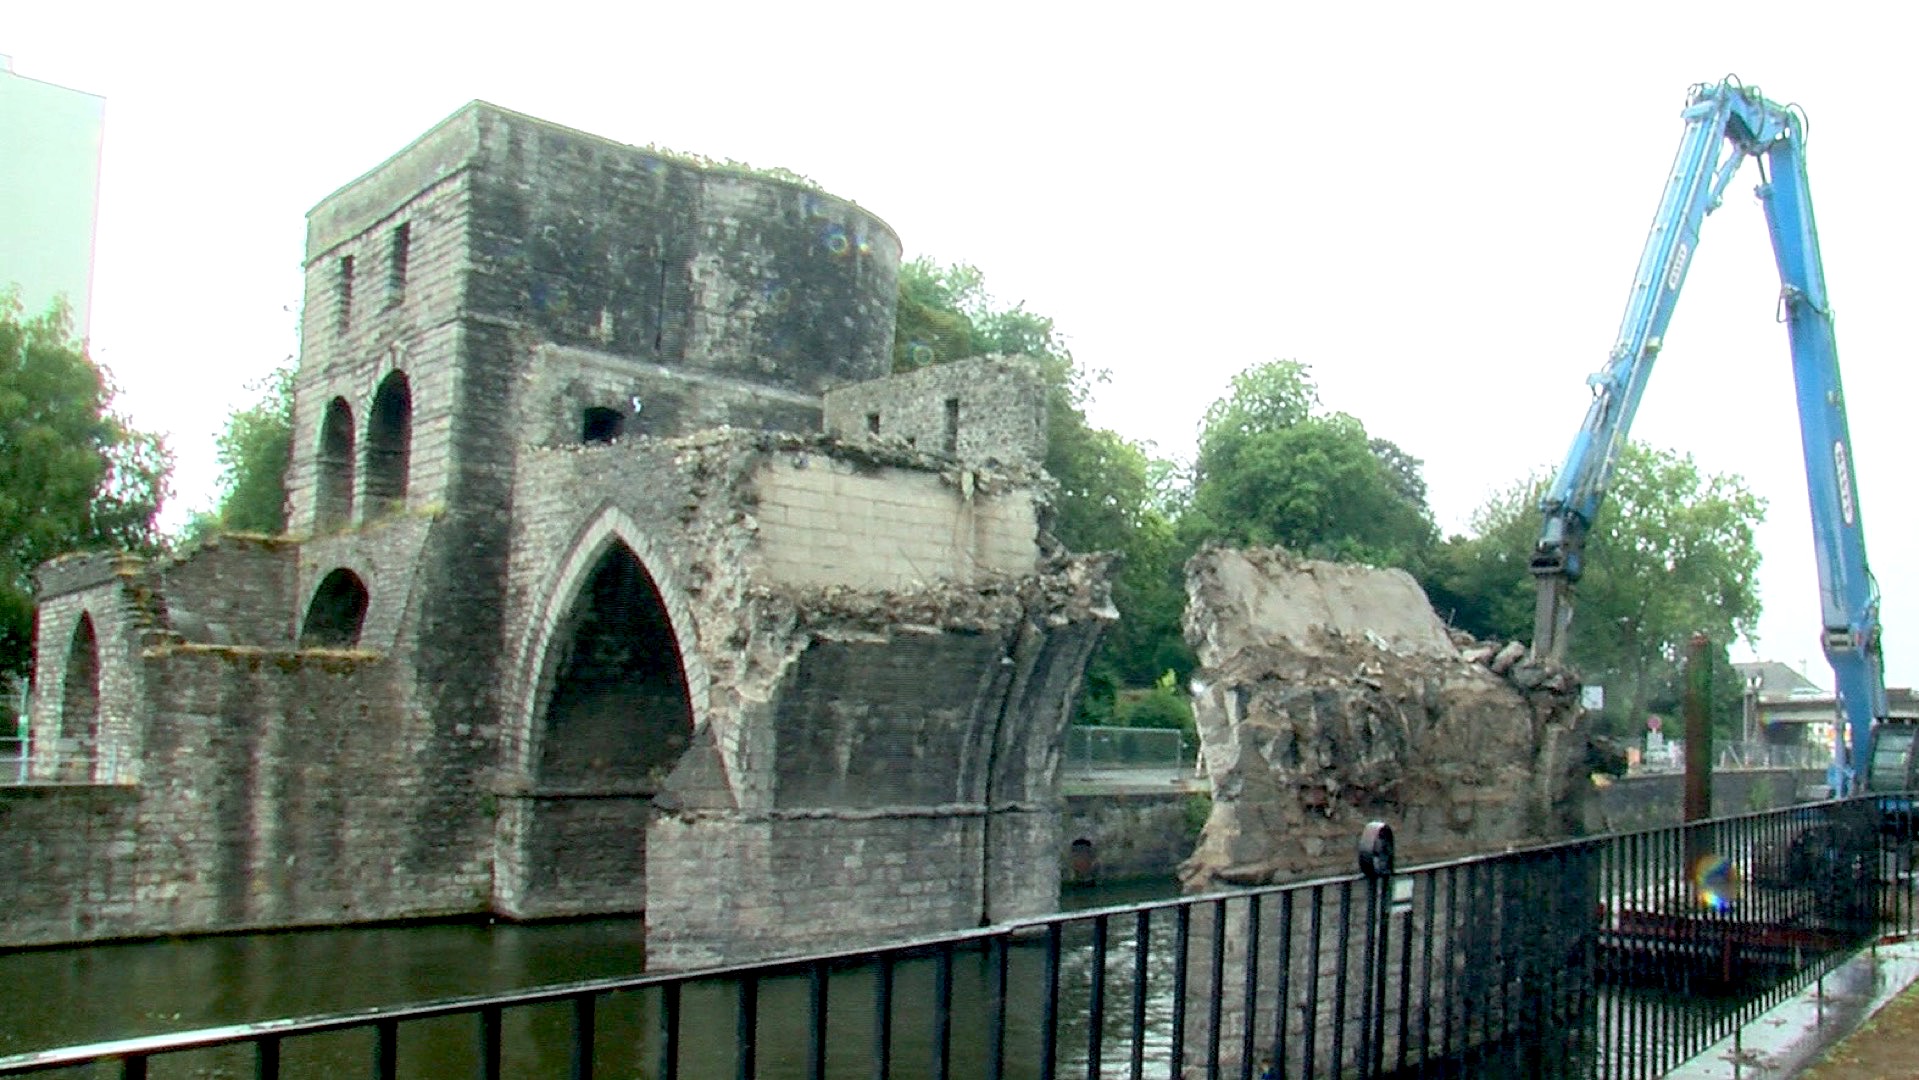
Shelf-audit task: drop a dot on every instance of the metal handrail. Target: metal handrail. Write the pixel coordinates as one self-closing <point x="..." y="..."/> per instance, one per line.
<point x="1816" y="875"/>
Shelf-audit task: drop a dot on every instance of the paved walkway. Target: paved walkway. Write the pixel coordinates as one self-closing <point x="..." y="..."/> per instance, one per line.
<point x="1142" y="781"/>
<point x="1859" y="1023"/>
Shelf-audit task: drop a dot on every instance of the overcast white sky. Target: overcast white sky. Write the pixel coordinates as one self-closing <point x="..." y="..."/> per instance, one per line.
<point x="1438" y="207"/>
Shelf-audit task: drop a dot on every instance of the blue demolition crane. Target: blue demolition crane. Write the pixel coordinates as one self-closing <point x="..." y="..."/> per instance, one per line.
<point x="1726" y="123"/>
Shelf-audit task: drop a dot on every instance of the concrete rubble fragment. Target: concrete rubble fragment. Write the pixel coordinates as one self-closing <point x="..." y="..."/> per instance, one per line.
<point x="1330" y="695"/>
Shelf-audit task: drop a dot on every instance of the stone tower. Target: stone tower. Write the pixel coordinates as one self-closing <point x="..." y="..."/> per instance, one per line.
<point x="617" y="567"/>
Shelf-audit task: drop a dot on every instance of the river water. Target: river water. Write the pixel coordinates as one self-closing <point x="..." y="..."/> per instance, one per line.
<point x="58" y="997"/>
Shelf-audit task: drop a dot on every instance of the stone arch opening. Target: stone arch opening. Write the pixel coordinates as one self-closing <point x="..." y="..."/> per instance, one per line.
<point x="389" y="445"/>
<point x="336" y="612"/>
<point x="334" y="506"/>
<point x="80" y="705"/>
<point x="619" y="713"/>
<point x="601" y="425"/>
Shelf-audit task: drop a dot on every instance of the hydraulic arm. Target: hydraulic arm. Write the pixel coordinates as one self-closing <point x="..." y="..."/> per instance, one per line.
<point x="1726" y="123"/>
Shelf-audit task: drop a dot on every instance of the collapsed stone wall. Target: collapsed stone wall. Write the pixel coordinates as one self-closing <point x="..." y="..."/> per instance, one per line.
<point x="880" y="660"/>
<point x="1332" y="696"/>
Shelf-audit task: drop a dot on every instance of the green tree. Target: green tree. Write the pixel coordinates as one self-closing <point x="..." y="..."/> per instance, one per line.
<point x="1673" y="552"/>
<point x="1113" y="495"/>
<point x="73" y="474"/>
<point x="253" y="453"/>
<point x="945" y="313"/>
<point x="1273" y="468"/>
<point x="1479" y="581"/>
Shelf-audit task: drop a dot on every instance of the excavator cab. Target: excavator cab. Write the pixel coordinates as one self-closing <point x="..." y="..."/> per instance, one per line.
<point x="1891" y="766"/>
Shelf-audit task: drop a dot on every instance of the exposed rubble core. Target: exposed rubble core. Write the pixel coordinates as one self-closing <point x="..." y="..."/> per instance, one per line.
<point x="1332" y="696"/>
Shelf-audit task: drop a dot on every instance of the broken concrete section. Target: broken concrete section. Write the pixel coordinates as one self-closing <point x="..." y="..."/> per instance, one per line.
<point x="1332" y="696"/>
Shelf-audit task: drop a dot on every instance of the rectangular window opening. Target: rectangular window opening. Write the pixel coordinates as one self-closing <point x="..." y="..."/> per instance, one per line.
<point x="396" y="265"/>
<point x="872" y="423"/>
<point x="344" y="297"/>
<point x="952" y="425"/>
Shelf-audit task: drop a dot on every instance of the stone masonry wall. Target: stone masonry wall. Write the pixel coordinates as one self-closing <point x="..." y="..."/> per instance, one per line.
<point x="241" y="819"/>
<point x="795" y="885"/>
<point x="233" y="590"/>
<point x="90" y="588"/>
<point x="1333" y="696"/>
<point x="877" y="649"/>
<point x="649" y="398"/>
<point x="1129" y="837"/>
<point x="812" y="701"/>
<point x="349" y="347"/>
<point x="587" y="243"/>
<point x="987" y="408"/>
<point x="1631" y="803"/>
<point x="69" y="872"/>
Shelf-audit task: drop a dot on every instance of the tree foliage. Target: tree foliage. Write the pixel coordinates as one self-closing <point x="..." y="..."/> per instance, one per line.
<point x="1274" y="468"/>
<point x="1113" y="495"/>
<point x="1673" y="552"/>
<point x="253" y="452"/>
<point x="73" y="474"/>
<point x="945" y="313"/>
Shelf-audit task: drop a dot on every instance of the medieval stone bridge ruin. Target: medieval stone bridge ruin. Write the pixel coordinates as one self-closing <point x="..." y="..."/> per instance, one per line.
<point x="620" y="575"/>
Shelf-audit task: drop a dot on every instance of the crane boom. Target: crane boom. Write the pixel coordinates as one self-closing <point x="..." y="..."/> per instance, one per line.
<point x="1726" y="123"/>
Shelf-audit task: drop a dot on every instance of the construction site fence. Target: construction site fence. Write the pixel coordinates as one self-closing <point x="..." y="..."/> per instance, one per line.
<point x="1094" y="749"/>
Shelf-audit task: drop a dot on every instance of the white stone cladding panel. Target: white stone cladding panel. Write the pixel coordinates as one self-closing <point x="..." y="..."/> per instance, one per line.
<point x="824" y="522"/>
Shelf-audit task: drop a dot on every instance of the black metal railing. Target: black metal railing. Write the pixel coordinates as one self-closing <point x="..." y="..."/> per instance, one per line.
<point x="1619" y="956"/>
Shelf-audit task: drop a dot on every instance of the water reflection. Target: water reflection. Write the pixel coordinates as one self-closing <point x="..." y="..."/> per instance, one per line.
<point x="59" y="997"/>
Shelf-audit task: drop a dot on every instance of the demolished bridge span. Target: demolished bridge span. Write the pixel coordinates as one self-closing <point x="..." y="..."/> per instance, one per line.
<point x="1330" y="695"/>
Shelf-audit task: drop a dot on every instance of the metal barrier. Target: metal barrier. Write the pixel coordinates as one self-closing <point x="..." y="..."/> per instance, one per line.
<point x="57" y="761"/>
<point x="1094" y="749"/>
<point x="1735" y="756"/>
<point x="1619" y="956"/>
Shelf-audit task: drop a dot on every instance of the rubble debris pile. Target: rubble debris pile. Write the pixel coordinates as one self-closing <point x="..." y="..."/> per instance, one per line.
<point x="1330" y="695"/>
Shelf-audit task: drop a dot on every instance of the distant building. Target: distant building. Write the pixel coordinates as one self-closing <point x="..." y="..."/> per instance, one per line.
<point x="49" y="184"/>
<point x="1783" y="706"/>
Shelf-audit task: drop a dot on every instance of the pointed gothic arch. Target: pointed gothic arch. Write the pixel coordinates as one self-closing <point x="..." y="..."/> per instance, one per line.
<point x="543" y="638"/>
<point x="617" y="710"/>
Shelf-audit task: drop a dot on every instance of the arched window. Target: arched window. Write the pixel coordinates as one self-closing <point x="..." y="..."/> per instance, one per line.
<point x="389" y="446"/>
<point x="334" y="507"/>
<point x="80" y="706"/>
<point x="619" y="710"/>
<point x="336" y="612"/>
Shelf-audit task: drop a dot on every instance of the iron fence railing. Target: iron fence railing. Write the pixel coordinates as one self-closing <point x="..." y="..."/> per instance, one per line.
<point x="1094" y="749"/>
<point x="1613" y="957"/>
<point x="1670" y="757"/>
<point x="57" y="761"/>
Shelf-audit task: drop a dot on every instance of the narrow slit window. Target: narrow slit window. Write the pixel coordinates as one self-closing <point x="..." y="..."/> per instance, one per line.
<point x="952" y="425"/>
<point x="344" y="294"/>
<point x="873" y="423"/>
<point x="396" y="261"/>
